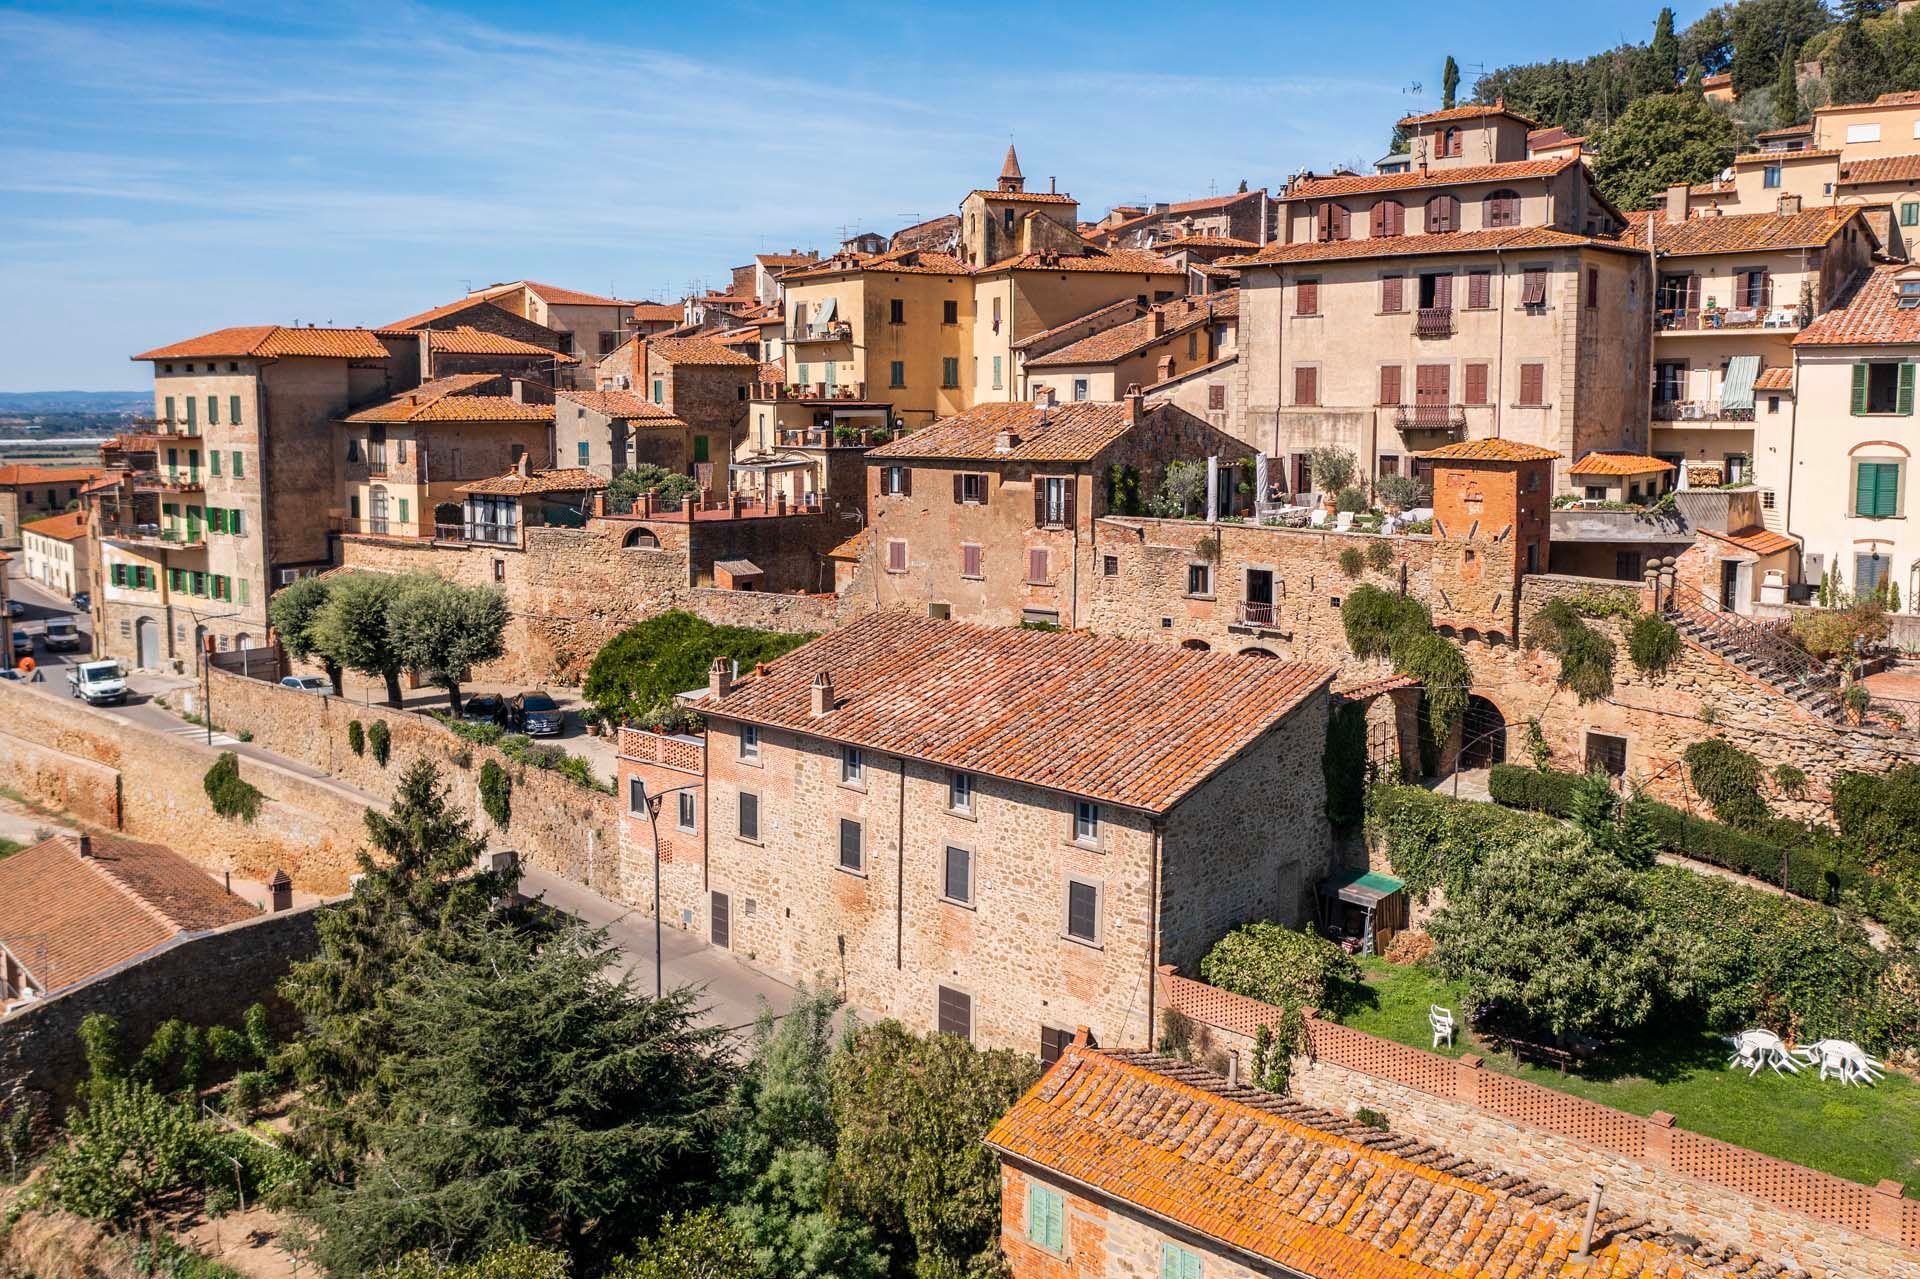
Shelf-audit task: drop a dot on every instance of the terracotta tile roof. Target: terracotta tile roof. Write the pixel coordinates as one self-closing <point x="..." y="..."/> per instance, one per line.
<point x="425" y="318"/>
<point x="1618" y="464"/>
<point x="654" y="311"/>
<point x="1316" y="1193"/>
<point x="467" y="340"/>
<point x="896" y="262"/>
<point x="786" y="259"/>
<point x="1759" y="540"/>
<point x="61" y="528"/>
<point x="555" y="296"/>
<point x="1215" y="201"/>
<point x="1362" y="689"/>
<point x="736" y="337"/>
<point x="1137" y="725"/>
<point x="1898" y="98"/>
<point x="1076" y="431"/>
<point x="1028" y="197"/>
<point x="1197" y="370"/>
<point x="570" y="479"/>
<point x="1135" y="336"/>
<point x="18" y="473"/>
<point x="1553" y="137"/>
<point x="1778" y="378"/>
<point x="444" y="400"/>
<point x="273" y="341"/>
<point x="1496" y="449"/>
<point x="1770" y="157"/>
<point x="1126" y="261"/>
<point x="1866" y="312"/>
<point x="1401" y="246"/>
<point x="773" y="372"/>
<point x="851" y="549"/>
<point x="1740" y="232"/>
<point x="1791" y="131"/>
<point x="66" y="918"/>
<point x="401" y="407"/>
<point x="1310" y="187"/>
<point x="1883" y="168"/>
<point x="1468" y="111"/>
<point x="624" y="404"/>
<point x="1204" y="242"/>
<point x="700" y="351"/>
<point x="1713" y="188"/>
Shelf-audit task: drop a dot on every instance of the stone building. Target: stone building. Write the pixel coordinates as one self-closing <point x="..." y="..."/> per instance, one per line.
<point x="996" y="832"/>
<point x="473" y="335"/>
<point x="228" y="496"/>
<point x="990" y="515"/>
<point x="608" y="432"/>
<point x="1247" y="216"/>
<point x="1171" y="338"/>
<point x="58" y="552"/>
<point x="30" y="493"/>
<point x="589" y="326"/>
<point x="705" y="385"/>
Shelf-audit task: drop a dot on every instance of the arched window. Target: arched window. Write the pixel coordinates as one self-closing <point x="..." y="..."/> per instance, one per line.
<point x="1443" y="214"/>
<point x="1502" y="208"/>
<point x="643" y="538"/>
<point x="1197" y="645"/>
<point x="1334" y="221"/>
<point x="1452" y="142"/>
<point x="1255" y="652"/>
<point x="1389" y="218"/>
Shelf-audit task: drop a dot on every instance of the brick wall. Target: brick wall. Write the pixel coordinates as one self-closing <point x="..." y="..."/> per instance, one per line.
<point x="1103" y="1240"/>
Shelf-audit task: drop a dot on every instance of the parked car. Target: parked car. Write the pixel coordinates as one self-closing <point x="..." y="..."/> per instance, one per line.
<point x="12" y="674"/>
<point x="486" y="708"/>
<point x="306" y="683"/>
<point x="83" y="601"/>
<point x="22" y="643"/>
<point x="16" y="609"/>
<point x="97" y="683"/>
<point x="536" y="714"/>
<point x="63" y="634"/>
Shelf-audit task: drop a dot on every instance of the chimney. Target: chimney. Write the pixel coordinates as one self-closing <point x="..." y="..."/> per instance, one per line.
<point x="523" y="466"/>
<point x="1593" y="1214"/>
<point x="1134" y="400"/>
<point x="1051" y="188"/>
<point x="1043" y="397"/>
<point x="1006" y="441"/>
<point x="822" y="691"/>
<point x="85" y="843"/>
<point x="1789" y="204"/>
<point x="519" y="390"/>
<point x="1677" y="202"/>
<point x="719" y="678"/>
<point x="280" y="892"/>
<point x="1156" y="322"/>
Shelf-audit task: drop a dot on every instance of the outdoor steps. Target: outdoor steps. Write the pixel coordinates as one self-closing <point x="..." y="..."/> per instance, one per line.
<point x="1763" y="668"/>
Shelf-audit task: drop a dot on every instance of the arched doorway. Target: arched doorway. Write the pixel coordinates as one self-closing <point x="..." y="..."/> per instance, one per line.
<point x="146" y="643"/>
<point x="1483" y="734"/>
<point x="199" y="646"/>
<point x="643" y="538"/>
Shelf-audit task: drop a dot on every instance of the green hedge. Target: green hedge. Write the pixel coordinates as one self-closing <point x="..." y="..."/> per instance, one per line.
<point x="1537" y="790"/>
<point x="1435" y="839"/>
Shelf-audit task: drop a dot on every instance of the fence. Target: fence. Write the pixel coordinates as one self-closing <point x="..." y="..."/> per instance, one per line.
<point x="1880" y="1212"/>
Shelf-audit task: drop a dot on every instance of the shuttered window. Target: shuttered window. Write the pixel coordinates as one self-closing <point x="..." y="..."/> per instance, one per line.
<point x="896" y="556"/>
<point x="1880" y="387"/>
<point x="1306" y="297"/>
<point x="1533" y="286"/>
<point x="1389" y="218"/>
<point x="970" y="559"/>
<point x="1392" y="297"/>
<point x="1533" y="385"/>
<point x="853" y="854"/>
<point x="956" y="1018"/>
<point x="1335" y="221"/>
<point x="957" y="876"/>
<point x="1443" y="214"/>
<point x="1306" y="384"/>
<point x="1475" y="377"/>
<point x="1876" y="489"/>
<point x="1053" y="1042"/>
<point x="1037" y="565"/>
<point x="1046" y="1212"/>
<point x="1479" y="290"/>
<point x="1177" y="1263"/>
<point x="749" y="815"/>
<point x="949" y="371"/>
<point x="1390" y="384"/>
<point x="1502" y="208"/>
<point x="1593" y="288"/>
<point x="1216" y="397"/>
<point x="233" y="410"/>
<point x="1083" y="911"/>
<point x="1443" y="292"/>
<point x="1432" y="383"/>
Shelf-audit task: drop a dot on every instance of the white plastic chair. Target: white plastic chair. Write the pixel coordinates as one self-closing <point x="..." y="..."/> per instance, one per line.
<point x="1319" y="517"/>
<point x="1441" y="1021"/>
<point x="1757" y="1048"/>
<point x="1343" y="522"/>
<point x="1844" y="1060"/>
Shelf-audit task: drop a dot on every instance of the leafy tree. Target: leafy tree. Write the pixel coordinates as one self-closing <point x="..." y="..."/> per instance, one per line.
<point x="528" y="1093"/>
<point x="624" y="490"/>
<point x="1332" y="468"/>
<point x="1278" y="965"/>
<point x="699" y="1245"/>
<point x="1547" y="933"/>
<point x="350" y="629"/>
<point x="1659" y="141"/>
<point x="417" y="893"/>
<point x="1708" y="41"/>
<point x="1183" y="490"/>
<point x="293" y="611"/>
<point x="1449" y="83"/>
<point x="777" y="1155"/>
<point x="445" y="629"/>
<point x="640" y="670"/>
<point x="1660" y="67"/>
<point x="514" y="1261"/>
<point x="910" y="1112"/>
<point x="1623" y="831"/>
<point x="1764" y="30"/>
<point x="1856" y="67"/>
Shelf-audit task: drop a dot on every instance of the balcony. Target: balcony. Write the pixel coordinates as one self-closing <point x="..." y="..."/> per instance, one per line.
<point x="491" y="534"/>
<point x="1255" y="613"/>
<point x="1782" y="319"/>
<point x="832" y="331"/>
<point x="1431" y="417"/>
<point x="164" y="480"/>
<point x="154" y="535"/>
<point x="814" y="392"/>
<point x="1433" y="322"/>
<point x="1700" y="413"/>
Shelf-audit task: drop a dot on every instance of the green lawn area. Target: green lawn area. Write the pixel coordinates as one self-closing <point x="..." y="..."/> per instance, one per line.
<point x="10" y="846"/>
<point x="1862" y="1134"/>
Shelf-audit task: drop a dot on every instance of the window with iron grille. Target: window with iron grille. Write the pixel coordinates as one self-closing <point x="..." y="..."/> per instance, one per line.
<point x="955" y="1013"/>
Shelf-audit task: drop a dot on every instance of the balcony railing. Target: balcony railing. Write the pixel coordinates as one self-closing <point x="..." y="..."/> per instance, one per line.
<point x="1705" y="412"/>
<point x="492" y="534"/>
<point x="169" y="481"/>
<point x="1761" y="316"/>
<point x="1253" y="613"/>
<point x="1433" y="322"/>
<point x="171" y="427"/>
<point x="154" y="535"/>
<point x="1430" y="417"/>
<point x="832" y="331"/>
<point x="810" y="391"/>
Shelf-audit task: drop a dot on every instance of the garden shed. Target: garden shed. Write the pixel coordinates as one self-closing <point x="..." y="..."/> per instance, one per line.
<point x="1362" y="909"/>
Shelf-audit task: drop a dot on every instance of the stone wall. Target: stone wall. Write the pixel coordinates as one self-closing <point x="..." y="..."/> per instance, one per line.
<point x="555" y="825"/>
<point x="210" y="978"/>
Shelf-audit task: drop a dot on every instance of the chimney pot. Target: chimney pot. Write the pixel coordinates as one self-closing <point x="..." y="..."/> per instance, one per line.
<point x="1677" y="195"/>
<point x="86" y="845"/>
<point x="822" y="691"/>
<point x="1156" y="322"/>
<point x="1789" y="204"/>
<point x="719" y="678"/>
<point x="1005" y="441"/>
<point x="1135" y="403"/>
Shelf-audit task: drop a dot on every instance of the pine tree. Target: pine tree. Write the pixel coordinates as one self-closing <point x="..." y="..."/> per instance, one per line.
<point x="1661" y="63"/>
<point x="1787" y="106"/>
<point x="1449" y="83"/>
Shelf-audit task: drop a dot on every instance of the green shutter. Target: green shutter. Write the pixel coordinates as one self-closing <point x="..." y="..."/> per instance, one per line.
<point x="1046" y="1217"/>
<point x="169" y="414"/>
<point x="213" y="410"/>
<point x="243" y="590"/>
<point x="1177" y="1263"/>
<point x="213" y="462"/>
<point x="1886" y="493"/>
<point x="118" y="574"/>
<point x="233" y="523"/>
<point x="403" y="510"/>
<point x="1906" y="389"/>
<point x="586" y="453"/>
<point x="233" y="411"/>
<point x="1863" y="488"/>
<point x="193" y="411"/>
<point x="1859" y="389"/>
<point x="237" y="472"/>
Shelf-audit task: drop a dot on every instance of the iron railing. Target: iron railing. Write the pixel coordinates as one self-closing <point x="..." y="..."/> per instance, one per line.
<point x="1433" y="322"/>
<point x="1761" y="644"/>
<point x="1430" y="417"/>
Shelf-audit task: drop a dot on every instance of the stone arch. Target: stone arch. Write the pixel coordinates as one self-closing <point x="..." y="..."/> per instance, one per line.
<point x="641" y="537"/>
<point x="1197" y="645"/>
<point x="1259" y="652"/>
<point x="1483" y="733"/>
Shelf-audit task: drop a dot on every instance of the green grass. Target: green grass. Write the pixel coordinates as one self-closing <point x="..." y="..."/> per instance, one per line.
<point x="1862" y="1134"/>
<point x="10" y="846"/>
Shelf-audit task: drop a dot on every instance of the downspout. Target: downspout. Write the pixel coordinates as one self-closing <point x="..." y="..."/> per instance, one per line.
<point x="1500" y="345"/>
<point x="1653" y="315"/>
<point x="1073" y="555"/>
<point x="900" y="881"/>
<point x="1153" y="925"/>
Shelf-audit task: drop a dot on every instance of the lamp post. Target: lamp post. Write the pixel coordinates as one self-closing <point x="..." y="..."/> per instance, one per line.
<point x="652" y="801"/>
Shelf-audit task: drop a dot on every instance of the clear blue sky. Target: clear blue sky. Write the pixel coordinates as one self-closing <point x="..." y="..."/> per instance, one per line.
<point x="166" y="169"/>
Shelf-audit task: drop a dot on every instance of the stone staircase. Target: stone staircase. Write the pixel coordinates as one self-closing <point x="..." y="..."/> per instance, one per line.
<point x="1757" y="651"/>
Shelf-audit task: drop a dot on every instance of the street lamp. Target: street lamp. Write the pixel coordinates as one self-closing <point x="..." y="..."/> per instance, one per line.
<point x="652" y="805"/>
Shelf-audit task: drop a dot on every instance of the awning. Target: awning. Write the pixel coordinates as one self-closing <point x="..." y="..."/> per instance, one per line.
<point x="1737" y="391"/>
<point x="1361" y="887"/>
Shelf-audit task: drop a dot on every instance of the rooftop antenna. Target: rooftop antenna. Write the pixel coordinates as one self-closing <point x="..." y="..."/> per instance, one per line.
<point x="467" y="285"/>
<point x="1415" y="89"/>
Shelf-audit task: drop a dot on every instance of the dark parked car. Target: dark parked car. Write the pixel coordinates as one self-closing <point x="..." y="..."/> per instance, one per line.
<point x="83" y="601"/>
<point x="487" y="708"/>
<point x="536" y="715"/>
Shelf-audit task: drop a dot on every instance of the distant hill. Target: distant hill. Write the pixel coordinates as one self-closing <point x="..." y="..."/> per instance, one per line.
<point x="14" y="402"/>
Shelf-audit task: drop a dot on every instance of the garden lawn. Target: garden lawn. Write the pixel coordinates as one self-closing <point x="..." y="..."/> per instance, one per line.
<point x="1862" y="1134"/>
<point x="10" y="846"/>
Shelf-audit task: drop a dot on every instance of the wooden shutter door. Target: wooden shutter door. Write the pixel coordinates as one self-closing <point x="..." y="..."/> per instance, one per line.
<point x="1307" y="297"/>
<point x="1533" y="384"/>
<point x="1432" y="382"/>
<point x="1039" y="501"/>
<point x="959" y="488"/>
<point x="1859" y="389"/>
<point x="1036" y="564"/>
<point x="1390" y="384"/>
<point x="1479" y="290"/>
<point x="1396" y="218"/>
<point x="1377" y="221"/>
<point x="1390" y="293"/>
<point x="1072" y="485"/>
<point x="1443" y="293"/>
<point x="1476" y="380"/>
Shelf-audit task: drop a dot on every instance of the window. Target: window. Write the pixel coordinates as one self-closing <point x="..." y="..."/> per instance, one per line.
<point x="853" y="854"/>
<point x="193" y="412"/>
<point x="1770" y="176"/>
<point x="896" y="481"/>
<point x="1502" y="208"/>
<point x="957" y="879"/>
<point x="1389" y="464"/>
<point x="1216" y="397"/>
<point x="749" y="825"/>
<point x="636" y="797"/>
<point x="996" y="373"/>
<point x="1863" y="133"/>
<point x="1876" y="490"/>
<point x="1200" y="579"/>
<point x="1054" y="1041"/>
<point x="801" y="381"/>
<point x="1479" y="290"/>
<point x="1883" y="387"/>
<point x="1086" y="822"/>
<point x="1475" y="377"/>
<point x="1052" y="500"/>
<point x="749" y="741"/>
<point x="896" y="311"/>
<point x="213" y="410"/>
<point x="1037" y="574"/>
<point x="1443" y="214"/>
<point x="1391" y="300"/>
<point x="1870" y="574"/>
<point x="1333" y="221"/>
<point x="960" y="792"/>
<point x="896" y="555"/>
<point x="1389" y="218"/>
<point x="949" y="370"/>
<point x="1607" y="753"/>
<point x="1533" y="383"/>
<point x="949" y="312"/>
<point x="1593" y="287"/>
<point x="1436" y="292"/>
<point x="1595" y="492"/>
<point x="1110" y="566"/>
<point x="970" y="560"/>
<point x="1626" y="566"/>
<point x="1306" y="297"/>
<point x="1909" y="292"/>
<point x="584" y="451"/>
<point x="1080" y="389"/>
<point x="233" y="412"/>
<point x="853" y="766"/>
<point x="1669" y="381"/>
<point x="1453" y="141"/>
<point x="1910" y="214"/>
<point x="1753" y="289"/>
<point x="1083" y="911"/>
<point x="685" y="818"/>
<point x="660" y="386"/>
<point x="897" y="373"/>
<point x="970" y="488"/>
<point x="1389" y="384"/>
<point x="955" y="1016"/>
<point x="1306" y="384"/>
<point x="1177" y="1263"/>
<point x="1046" y="1217"/>
<point x="1533" y="286"/>
<point x="607" y="342"/>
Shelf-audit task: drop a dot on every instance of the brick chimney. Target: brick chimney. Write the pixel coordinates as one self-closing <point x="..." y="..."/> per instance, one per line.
<point x="85" y="844"/>
<point x="1677" y="202"/>
<point x="719" y="678"/>
<point x="1044" y="397"/>
<point x="1006" y="441"/>
<point x="1156" y="322"/>
<point x="523" y="466"/>
<point x="1789" y="204"/>
<point x="1134" y="402"/>
<point x="822" y="691"/>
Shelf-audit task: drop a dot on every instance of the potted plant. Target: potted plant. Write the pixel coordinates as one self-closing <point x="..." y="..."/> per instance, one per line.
<point x="1856" y="700"/>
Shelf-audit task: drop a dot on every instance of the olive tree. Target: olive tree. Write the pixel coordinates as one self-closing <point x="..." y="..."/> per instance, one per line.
<point x="444" y="629"/>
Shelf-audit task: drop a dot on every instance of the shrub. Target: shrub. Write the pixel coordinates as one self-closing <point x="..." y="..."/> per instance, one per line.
<point x="1410" y="946"/>
<point x="1728" y="779"/>
<point x="1790" y="781"/>
<point x="356" y="737"/>
<point x="1351" y="561"/>
<point x="1443" y="672"/>
<point x="1351" y="500"/>
<point x="1879" y="817"/>
<point x="231" y="794"/>
<point x="380" y="741"/>
<point x="1401" y="491"/>
<point x="1652" y="643"/>
<point x="644" y="666"/>
<point x="1586" y="656"/>
<point x="1332" y="468"/>
<point x="1371" y="618"/>
<point x="1435" y="840"/>
<point x="1277" y="965"/>
<point x="1344" y="764"/>
<point x="1856" y="699"/>
<point x="1535" y="789"/>
<point x="1379" y="556"/>
<point x="496" y="790"/>
<point x="1832" y="632"/>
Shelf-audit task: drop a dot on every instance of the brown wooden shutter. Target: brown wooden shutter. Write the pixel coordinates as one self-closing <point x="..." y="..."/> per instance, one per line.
<point x="1443" y="214"/>
<point x="1073" y="497"/>
<point x="1443" y="292"/>
<point x="1390" y="384"/>
<point x="1480" y="290"/>
<point x="1533" y="379"/>
<point x="1390" y="294"/>
<point x="906" y="481"/>
<point x="1396" y="218"/>
<point x="1476" y="380"/>
<point x="1307" y="298"/>
<point x="897" y="556"/>
<point x="1036" y="564"/>
<point x="1306" y="385"/>
<point x="969" y="559"/>
<point x="959" y="488"/>
<point x="1432" y="382"/>
<point x="1039" y="501"/>
<point x="1377" y="220"/>
<point x="1339" y="217"/>
<point x="1533" y="287"/>
<point x="1593" y="287"/>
